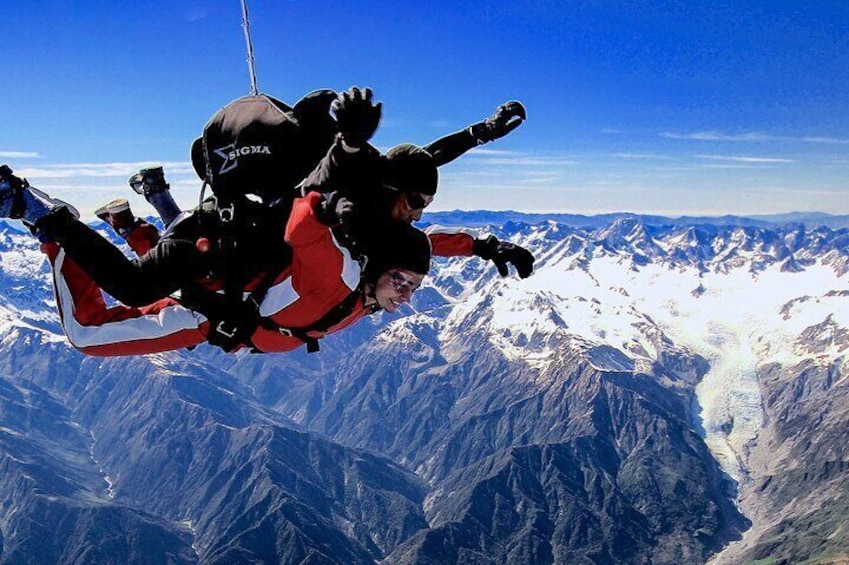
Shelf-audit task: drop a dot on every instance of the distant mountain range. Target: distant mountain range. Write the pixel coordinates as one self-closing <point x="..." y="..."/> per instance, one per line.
<point x="478" y="218"/>
<point x="659" y="391"/>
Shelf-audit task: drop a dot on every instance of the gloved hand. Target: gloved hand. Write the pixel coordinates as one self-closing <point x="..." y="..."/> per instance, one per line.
<point x="337" y="209"/>
<point x="346" y="213"/>
<point x="506" y="118"/>
<point x="232" y="322"/>
<point x="501" y="253"/>
<point x="230" y="335"/>
<point x="356" y="116"/>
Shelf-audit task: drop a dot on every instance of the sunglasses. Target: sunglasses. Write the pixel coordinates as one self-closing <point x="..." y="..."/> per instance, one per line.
<point x="416" y="201"/>
<point x="402" y="284"/>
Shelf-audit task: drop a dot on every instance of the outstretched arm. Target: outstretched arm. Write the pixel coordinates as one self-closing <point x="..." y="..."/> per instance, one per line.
<point x="351" y="166"/>
<point x="506" y="118"/>
<point x="454" y="242"/>
<point x="504" y="253"/>
<point x="346" y="170"/>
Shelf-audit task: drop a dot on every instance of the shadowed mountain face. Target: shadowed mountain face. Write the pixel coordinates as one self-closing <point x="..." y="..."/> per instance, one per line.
<point x="56" y="506"/>
<point x="181" y="447"/>
<point x="579" y="464"/>
<point x="594" y="413"/>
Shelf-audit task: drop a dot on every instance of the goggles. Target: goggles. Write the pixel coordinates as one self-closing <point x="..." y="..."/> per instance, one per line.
<point x="402" y="284"/>
<point x="415" y="200"/>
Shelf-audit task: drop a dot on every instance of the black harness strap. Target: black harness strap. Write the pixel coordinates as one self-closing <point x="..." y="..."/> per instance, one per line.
<point x="232" y="323"/>
<point x="330" y="319"/>
<point x="228" y="245"/>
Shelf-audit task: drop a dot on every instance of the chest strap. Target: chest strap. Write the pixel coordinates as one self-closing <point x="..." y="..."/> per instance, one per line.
<point x="333" y="316"/>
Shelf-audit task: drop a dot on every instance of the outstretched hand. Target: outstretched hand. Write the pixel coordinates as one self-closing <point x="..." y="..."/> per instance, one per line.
<point x="506" y="118"/>
<point x="357" y="116"/>
<point x="503" y="253"/>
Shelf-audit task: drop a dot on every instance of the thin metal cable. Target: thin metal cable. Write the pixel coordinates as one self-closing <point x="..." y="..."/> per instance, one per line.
<point x="246" y="26"/>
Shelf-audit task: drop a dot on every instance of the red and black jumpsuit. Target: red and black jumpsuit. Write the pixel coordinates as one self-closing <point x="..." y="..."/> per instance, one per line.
<point x="322" y="274"/>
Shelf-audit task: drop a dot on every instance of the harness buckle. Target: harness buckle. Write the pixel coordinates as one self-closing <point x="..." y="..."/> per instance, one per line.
<point x="227" y="213"/>
<point x="222" y="330"/>
<point x="285" y="332"/>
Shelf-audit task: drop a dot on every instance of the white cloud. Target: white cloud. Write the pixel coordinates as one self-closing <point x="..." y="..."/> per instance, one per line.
<point x="745" y="159"/>
<point x="196" y="13"/>
<point x="482" y="151"/>
<point x="638" y="156"/>
<point x="100" y="170"/>
<point x="717" y="136"/>
<point x="191" y="182"/>
<point x="18" y="155"/>
<point x="545" y="180"/>
<point x="712" y="135"/>
<point x="526" y="161"/>
<point x="726" y="166"/>
<point x="824" y="140"/>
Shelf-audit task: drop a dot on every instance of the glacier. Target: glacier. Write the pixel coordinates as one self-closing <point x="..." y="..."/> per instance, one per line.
<point x="730" y="308"/>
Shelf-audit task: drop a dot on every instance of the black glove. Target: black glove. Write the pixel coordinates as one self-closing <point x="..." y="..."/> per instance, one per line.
<point x="232" y="321"/>
<point x="336" y="209"/>
<point x="506" y="118"/>
<point x="229" y="335"/>
<point x="347" y="215"/>
<point x="356" y="116"/>
<point x="501" y="253"/>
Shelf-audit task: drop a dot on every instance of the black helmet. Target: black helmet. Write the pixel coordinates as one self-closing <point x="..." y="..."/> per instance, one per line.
<point x="398" y="246"/>
<point x="411" y="169"/>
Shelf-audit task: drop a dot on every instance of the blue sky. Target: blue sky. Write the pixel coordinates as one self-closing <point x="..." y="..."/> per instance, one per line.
<point x="658" y="107"/>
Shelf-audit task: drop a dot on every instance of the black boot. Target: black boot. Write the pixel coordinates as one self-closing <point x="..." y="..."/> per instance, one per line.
<point x="20" y="201"/>
<point x="151" y="183"/>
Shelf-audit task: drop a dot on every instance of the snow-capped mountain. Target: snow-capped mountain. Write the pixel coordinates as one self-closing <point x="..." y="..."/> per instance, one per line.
<point x="655" y="392"/>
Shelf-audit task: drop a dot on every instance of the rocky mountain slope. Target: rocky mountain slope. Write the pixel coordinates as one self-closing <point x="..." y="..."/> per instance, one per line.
<point x="653" y="394"/>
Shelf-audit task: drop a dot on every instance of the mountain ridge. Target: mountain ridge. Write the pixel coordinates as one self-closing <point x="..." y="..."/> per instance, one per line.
<point x="611" y="408"/>
<point x="480" y="218"/>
